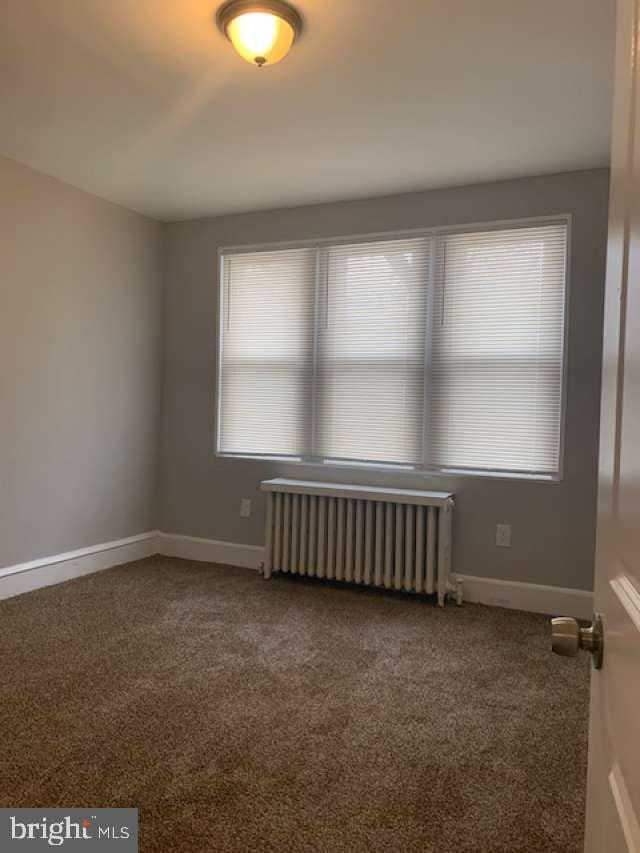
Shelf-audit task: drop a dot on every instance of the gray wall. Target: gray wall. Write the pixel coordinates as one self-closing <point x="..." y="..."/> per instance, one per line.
<point x="80" y="310"/>
<point x="553" y="524"/>
<point x="81" y="370"/>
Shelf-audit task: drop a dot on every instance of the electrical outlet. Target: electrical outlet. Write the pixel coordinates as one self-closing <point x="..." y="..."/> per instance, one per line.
<point x="503" y="535"/>
<point x="245" y="507"/>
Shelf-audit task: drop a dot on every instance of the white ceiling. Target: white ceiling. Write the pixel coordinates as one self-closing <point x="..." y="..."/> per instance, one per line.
<point x="144" y="102"/>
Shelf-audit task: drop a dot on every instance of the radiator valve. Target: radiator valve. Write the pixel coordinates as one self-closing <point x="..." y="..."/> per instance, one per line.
<point x="454" y="589"/>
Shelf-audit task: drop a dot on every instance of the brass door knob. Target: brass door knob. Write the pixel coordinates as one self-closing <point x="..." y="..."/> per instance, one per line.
<point x="567" y="637"/>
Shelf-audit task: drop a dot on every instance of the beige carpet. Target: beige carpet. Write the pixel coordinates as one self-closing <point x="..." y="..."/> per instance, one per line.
<point x="244" y="715"/>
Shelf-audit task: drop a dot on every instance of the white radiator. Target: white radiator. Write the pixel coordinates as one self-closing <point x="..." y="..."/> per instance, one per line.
<point x="389" y="538"/>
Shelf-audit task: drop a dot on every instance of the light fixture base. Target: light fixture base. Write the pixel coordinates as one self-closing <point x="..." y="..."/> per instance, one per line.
<point x="233" y="8"/>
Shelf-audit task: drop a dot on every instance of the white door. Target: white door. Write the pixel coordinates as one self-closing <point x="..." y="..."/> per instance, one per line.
<point x="613" y="798"/>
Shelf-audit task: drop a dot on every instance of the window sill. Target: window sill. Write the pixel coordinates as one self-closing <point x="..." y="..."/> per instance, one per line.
<point x="381" y="467"/>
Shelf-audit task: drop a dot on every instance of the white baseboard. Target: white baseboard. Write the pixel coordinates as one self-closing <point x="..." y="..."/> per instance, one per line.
<point x="533" y="597"/>
<point x="46" y="571"/>
<point x="210" y="550"/>
<point x="25" y="577"/>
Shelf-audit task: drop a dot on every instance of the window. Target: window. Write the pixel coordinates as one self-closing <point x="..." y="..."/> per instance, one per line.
<point x="267" y="327"/>
<point x="441" y="351"/>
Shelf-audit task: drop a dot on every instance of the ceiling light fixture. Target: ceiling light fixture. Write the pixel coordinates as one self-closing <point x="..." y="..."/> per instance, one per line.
<point x="262" y="32"/>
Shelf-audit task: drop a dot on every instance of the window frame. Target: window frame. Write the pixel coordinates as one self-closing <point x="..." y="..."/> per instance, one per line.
<point x="377" y="466"/>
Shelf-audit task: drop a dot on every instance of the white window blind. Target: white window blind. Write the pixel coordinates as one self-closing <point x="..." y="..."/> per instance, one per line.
<point x="372" y="352"/>
<point x="266" y="371"/>
<point x="497" y="357"/>
<point x="442" y="350"/>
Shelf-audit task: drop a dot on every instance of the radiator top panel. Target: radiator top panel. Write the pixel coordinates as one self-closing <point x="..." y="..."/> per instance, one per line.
<point x="415" y="497"/>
